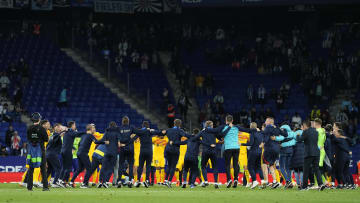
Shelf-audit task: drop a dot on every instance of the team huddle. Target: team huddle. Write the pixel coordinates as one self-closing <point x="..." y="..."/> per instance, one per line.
<point x="314" y="154"/>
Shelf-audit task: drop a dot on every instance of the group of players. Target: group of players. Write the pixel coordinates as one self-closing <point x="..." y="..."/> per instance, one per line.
<point x="124" y="151"/>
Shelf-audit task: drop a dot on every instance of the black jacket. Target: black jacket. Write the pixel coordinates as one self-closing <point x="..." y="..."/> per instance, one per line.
<point x="112" y="135"/>
<point x="207" y="140"/>
<point x="342" y="148"/>
<point x="36" y="134"/>
<point x="85" y="143"/>
<point x="174" y="135"/>
<point x="310" y="138"/>
<point x="68" y="140"/>
<point x="297" y="160"/>
<point x="124" y="137"/>
<point x="192" y="150"/>
<point x="54" y="145"/>
<point x="145" y="136"/>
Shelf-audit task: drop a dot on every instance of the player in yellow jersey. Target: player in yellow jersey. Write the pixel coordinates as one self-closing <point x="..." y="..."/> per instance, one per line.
<point x="96" y="174"/>
<point x="180" y="163"/>
<point x="136" y="157"/>
<point x="159" y="144"/>
<point x="243" y="159"/>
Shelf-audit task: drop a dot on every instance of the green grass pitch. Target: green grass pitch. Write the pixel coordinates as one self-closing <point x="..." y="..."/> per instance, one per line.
<point x="14" y="193"/>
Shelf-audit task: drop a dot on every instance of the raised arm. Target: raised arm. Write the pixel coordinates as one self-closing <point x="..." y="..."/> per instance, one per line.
<point x="247" y="130"/>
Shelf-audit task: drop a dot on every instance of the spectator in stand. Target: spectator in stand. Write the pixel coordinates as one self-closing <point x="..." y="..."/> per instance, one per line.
<point x="183" y="104"/>
<point x="15" y="144"/>
<point x="253" y="115"/>
<point x="342" y="117"/>
<point x="220" y="34"/>
<point x="208" y="110"/>
<point x="170" y="115"/>
<point x="9" y="133"/>
<point x="144" y="62"/>
<point x="261" y="94"/>
<point x="36" y="30"/>
<point x="17" y="95"/>
<point x="63" y="99"/>
<point x="296" y="119"/>
<point x="199" y="81"/>
<point x="235" y="64"/>
<point x="318" y="93"/>
<point x="219" y="99"/>
<point x="315" y="113"/>
<point x="209" y="82"/>
<point x="5" y="114"/>
<point x="12" y="70"/>
<point x="218" y="110"/>
<point x="119" y="64"/>
<point x="250" y="94"/>
<point x="285" y="89"/>
<point x="165" y="96"/>
<point x="325" y="116"/>
<point x="4" y="83"/>
<point x="277" y="68"/>
<point x="135" y="56"/>
<point x="280" y="102"/>
<point x="3" y="152"/>
<point x="23" y="151"/>
<point x="123" y="46"/>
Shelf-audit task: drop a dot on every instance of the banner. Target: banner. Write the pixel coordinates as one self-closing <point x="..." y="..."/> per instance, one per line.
<point x="41" y="5"/>
<point x="82" y="3"/>
<point x="114" y="6"/>
<point x="148" y="6"/>
<point x="61" y="3"/>
<point x="12" y="164"/>
<point x="6" y="3"/>
<point x="21" y="4"/>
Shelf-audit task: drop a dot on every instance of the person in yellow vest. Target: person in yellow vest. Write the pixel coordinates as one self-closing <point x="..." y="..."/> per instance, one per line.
<point x="159" y="144"/>
<point x="96" y="175"/>
<point x="315" y="113"/>
<point x="180" y="163"/>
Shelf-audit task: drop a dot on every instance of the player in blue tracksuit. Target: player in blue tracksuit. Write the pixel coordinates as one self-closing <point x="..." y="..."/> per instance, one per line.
<point x="126" y="153"/>
<point x="172" y="150"/>
<point x="146" y="151"/>
<point x="209" y="152"/>
<point x="83" y="154"/>
<point x="111" y="141"/>
<point x="329" y="147"/>
<point x="286" y="153"/>
<point x="191" y="159"/>
<point x="342" y="159"/>
<point x="97" y="158"/>
<point x="271" y="149"/>
<point x="232" y="148"/>
<point x="53" y="150"/>
<point x="66" y="152"/>
<point x="254" y="153"/>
